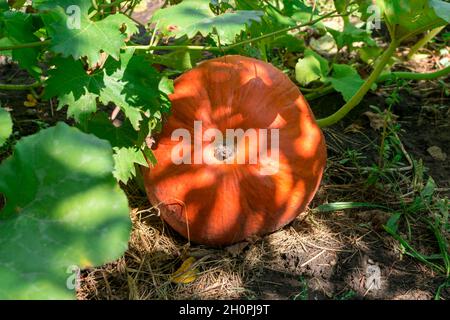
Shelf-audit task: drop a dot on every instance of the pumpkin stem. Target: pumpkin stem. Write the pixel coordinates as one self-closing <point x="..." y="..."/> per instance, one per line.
<point x="223" y="152"/>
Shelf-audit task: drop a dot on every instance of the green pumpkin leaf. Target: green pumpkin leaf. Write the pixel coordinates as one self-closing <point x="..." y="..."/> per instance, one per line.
<point x="345" y="80"/>
<point x="19" y="29"/>
<point x="100" y="125"/>
<point x="363" y="8"/>
<point x="125" y="140"/>
<point x="288" y="42"/>
<point x="350" y="35"/>
<point x="277" y="19"/>
<point x="195" y="16"/>
<point x="370" y="54"/>
<point x="299" y="11"/>
<point x="441" y="8"/>
<point x="341" y="5"/>
<point x="178" y="60"/>
<point x="311" y="68"/>
<point x="64" y="210"/>
<point x="74" y="87"/>
<point x="409" y="17"/>
<point x="227" y="25"/>
<point x="131" y="84"/>
<point x="6" y="126"/>
<point x="125" y="159"/>
<point x="74" y="34"/>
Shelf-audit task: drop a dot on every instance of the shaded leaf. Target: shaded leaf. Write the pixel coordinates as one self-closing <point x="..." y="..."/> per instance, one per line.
<point x="100" y="125"/>
<point x="346" y="80"/>
<point x="131" y="84"/>
<point x="341" y="5"/>
<point x="289" y="43"/>
<point x="311" y="68"/>
<point x="125" y="140"/>
<point x="74" y="87"/>
<point x="17" y="4"/>
<point x="299" y="11"/>
<point x="19" y="29"/>
<point x="125" y="160"/>
<point x="178" y="60"/>
<point x="369" y="54"/>
<point x="64" y="210"/>
<point x="363" y="8"/>
<point x="195" y="16"/>
<point x="350" y="35"/>
<point x="441" y="8"/>
<point x="75" y="34"/>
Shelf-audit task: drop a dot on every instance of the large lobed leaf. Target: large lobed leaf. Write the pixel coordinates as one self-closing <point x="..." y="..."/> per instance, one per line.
<point x="195" y="16"/>
<point x="64" y="211"/>
<point x="408" y="17"/>
<point x="131" y="84"/>
<point x="74" y="34"/>
<point x="17" y="28"/>
<point x="346" y="80"/>
<point x="123" y="139"/>
<point x="351" y="34"/>
<point x="74" y="87"/>
<point x="313" y="67"/>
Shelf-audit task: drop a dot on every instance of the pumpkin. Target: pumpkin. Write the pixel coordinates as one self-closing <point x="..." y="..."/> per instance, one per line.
<point x="211" y="197"/>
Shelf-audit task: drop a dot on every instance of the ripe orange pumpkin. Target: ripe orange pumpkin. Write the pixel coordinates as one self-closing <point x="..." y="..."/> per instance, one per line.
<point x="222" y="202"/>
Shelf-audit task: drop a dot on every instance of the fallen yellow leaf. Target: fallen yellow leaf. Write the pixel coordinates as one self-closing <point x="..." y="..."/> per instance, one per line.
<point x="186" y="273"/>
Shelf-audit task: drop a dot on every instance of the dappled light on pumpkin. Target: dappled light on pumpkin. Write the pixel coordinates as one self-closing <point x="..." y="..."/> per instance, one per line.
<point x="261" y="184"/>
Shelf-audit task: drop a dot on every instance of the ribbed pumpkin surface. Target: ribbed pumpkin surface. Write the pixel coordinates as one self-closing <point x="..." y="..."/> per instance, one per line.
<point x="222" y="203"/>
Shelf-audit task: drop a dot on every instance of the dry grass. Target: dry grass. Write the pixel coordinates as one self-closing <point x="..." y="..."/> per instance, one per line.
<point x="310" y="246"/>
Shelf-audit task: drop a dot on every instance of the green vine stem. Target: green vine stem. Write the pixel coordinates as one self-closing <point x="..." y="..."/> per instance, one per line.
<point x="427" y="38"/>
<point x="356" y="99"/>
<point x="238" y="44"/>
<point x="20" y="86"/>
<point x="25" y="45"/>
<point x="414" y="75"/>
<point x="319" y="93"/>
